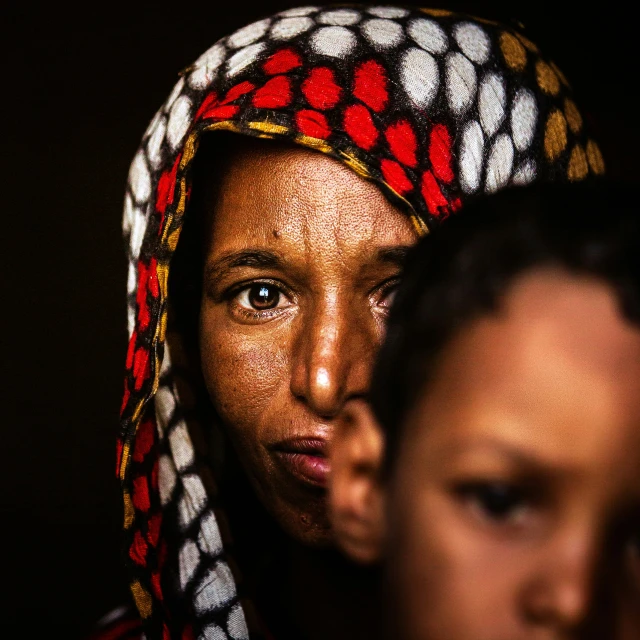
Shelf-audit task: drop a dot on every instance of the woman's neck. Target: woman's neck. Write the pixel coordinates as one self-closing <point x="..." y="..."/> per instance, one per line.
<point x="299" y="592"/>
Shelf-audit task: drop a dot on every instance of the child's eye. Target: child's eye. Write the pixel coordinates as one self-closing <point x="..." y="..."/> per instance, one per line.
<point x="497" y="501"/>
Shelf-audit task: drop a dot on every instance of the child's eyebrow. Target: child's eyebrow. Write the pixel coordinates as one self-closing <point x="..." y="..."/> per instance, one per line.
<point x="244" y="258"/>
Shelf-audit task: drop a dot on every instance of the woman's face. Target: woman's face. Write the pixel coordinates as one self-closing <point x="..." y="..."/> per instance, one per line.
<point x="301" y="263"/>
<point x="514" y="507"/>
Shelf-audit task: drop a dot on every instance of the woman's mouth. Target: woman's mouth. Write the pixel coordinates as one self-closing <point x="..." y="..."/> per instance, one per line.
<point x="305" y="458"/>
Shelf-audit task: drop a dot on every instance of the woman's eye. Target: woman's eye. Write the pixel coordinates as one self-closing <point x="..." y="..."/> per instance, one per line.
<point x="388" y="295"/>
<point x="260" y="296"/>
<point x="497" y="501"/>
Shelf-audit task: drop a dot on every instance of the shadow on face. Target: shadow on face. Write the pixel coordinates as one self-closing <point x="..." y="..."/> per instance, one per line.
<point x="301" y="259"/>
<point x="512" y="507"/>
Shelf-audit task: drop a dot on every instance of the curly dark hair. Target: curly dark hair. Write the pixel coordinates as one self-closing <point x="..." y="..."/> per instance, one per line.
<point x="463" y="269"/>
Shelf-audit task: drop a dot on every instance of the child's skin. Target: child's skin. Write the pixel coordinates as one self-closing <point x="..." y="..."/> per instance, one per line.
<point x="512" y="511"/>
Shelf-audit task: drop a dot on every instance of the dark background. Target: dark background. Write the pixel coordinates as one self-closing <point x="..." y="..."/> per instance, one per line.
<point x="81" y="84"/>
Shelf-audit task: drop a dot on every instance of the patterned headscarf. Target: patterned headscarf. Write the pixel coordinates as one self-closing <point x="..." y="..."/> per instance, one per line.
<point x="434" y="107"/>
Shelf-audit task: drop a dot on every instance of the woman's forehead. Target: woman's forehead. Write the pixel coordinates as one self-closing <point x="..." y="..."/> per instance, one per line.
<point x="289" y="194"/>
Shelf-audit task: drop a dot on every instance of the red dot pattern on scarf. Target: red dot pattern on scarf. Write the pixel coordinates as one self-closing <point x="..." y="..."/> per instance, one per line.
<point x="402" y="142"/>
<point x="187" y="634"/>
<point x="360" y="127"/>
<point x="440" y="153"/>
<point x="435" y="200"/>
<point x="138" y="549"/>
<point x="153" y="530"/>
<point x="275" y="94"/>
<point x="221" y="113"/>
<point x="281" y="62"/>
<point x="141" y="367"/>
<point x="320" y="88"/>
<point x="395" y="176"/>
<point x="312" y="124"/>
<point x="210" y="101"/>
<point x="166" y="188"/>
<point x="141" y="494"/>
<point x="370" y="85"/>
<point x="237" y="91"/>
<point x="156" y="587"/>
<point x="145" y="438"/>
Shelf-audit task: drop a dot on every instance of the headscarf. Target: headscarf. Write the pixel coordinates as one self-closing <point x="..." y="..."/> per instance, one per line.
<point x="434" y="107"/>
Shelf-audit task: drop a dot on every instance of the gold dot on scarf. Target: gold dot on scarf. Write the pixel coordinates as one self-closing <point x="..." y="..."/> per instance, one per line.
<point x="142" y="599"/>
<point x="547" y="78"/>
<point x="571" y="113"/>
<point x="437" y="13"/>
<point x="560" y="75"/>
<point x="555" y="135"/>
<point x="578" y="167"/>
<point x="514" y="53"/>
<point x="129" y="512"/>
<point x="527" y="43"/>
<point x="594" y="156"/>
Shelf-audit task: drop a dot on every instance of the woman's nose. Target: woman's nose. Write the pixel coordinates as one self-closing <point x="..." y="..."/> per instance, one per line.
<point x="332" y="358"/>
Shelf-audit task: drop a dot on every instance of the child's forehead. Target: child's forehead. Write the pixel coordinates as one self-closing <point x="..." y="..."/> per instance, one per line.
<point x="555" y="374"/>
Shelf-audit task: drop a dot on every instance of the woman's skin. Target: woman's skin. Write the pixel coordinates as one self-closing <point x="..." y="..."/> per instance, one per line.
<point x="512" y="511"/>
<point x="302" y="256"/>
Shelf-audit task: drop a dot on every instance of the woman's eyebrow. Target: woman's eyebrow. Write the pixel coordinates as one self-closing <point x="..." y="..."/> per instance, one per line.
<point x="244" y="258"/>
<point x="395" y="255"/>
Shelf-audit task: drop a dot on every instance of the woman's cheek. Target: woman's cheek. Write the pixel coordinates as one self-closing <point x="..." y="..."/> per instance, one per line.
<point x="245" y="375"/>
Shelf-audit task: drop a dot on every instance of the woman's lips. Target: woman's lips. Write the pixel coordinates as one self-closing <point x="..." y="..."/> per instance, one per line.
<point x="306" y="459"/>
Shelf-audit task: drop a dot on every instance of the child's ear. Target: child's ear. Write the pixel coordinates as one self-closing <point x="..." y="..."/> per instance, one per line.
<point x="356" y="494"/>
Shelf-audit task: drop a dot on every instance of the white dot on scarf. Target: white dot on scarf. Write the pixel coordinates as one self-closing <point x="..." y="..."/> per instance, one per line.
<point x="420" y="76"/>
<point x="209" y="538"/>
<point x="175" y="92"/>
<point x="166" y="478"/>
<point x="333" y="41"/>
<point x="461" y="82"/>
<point x="290" y="28"/>
<point x="339" y="17"/>
<point x="206" y="67"/>
<point x="188" y="561"/>
<point x="131" y="319"/>
<point x="139" y="178"/>
<point x="382" y="34"/>
<point x="236" y="624"/>
<point x="471" y="157"/>
<point x="215" y="590"/>
<point x="181" y="446"/>
<point x="165" y="405"/>
<point x="473" y="41"/>
<point x="127" y="214"/>
<point x="388" y="12"/>
<point x="132" y="278"/>
<point x="250" y="33"/>
<point x="491" y="103"/>
<point x="193" y="500"/>
<point x="428" y="35"/>
<point x="297" y="11"/>
<point x="179" y="121"/>
<point x="152" y="124"/>
<point x="525" y="173"/>
<point x="499" y="164"/>
<point x="524" y="116"/>
<point x="243" y="58"/>
<point x="154" y="144"/>
<point x="138" y="228"/>
<point x="212" y="632"/>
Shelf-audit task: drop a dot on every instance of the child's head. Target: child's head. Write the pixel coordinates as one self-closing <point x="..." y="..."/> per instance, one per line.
<point x="498" y="473"/>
